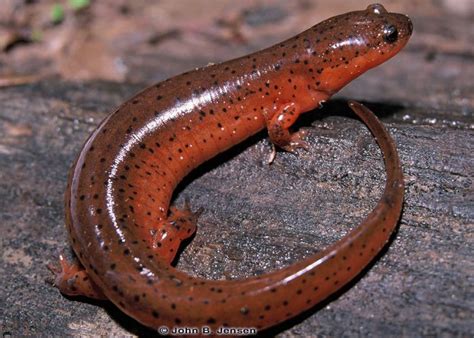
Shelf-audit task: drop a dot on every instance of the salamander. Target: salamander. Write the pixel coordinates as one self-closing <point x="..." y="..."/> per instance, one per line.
<point x="117" y="201"/>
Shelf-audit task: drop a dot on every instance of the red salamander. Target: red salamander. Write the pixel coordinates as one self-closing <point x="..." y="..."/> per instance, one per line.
<point x="117" y="201"/>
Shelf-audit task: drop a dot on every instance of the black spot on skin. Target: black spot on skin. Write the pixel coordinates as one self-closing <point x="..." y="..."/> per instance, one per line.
<point x="155" y="314"/>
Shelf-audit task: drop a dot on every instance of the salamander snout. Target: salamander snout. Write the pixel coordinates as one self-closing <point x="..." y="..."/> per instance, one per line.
<point x="410" y="25"/>
<point x="390" y="32"/>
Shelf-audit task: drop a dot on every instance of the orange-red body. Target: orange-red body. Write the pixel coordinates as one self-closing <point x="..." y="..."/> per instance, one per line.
<point x="117" y="199"/>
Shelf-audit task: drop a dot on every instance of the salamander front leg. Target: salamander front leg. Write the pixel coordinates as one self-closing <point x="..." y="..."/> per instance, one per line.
<point x="278" y="130"/>
<point x="180" y="225"/>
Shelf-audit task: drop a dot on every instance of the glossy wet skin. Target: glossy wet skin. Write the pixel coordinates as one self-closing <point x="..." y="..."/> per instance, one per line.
<point x="120" y="186"/>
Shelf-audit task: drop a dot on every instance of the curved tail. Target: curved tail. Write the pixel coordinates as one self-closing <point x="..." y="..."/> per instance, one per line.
<point x="143" y="284"/>
<point x="177" y="299"/>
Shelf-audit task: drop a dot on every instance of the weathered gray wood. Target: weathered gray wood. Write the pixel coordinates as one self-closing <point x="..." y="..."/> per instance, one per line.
<point x="260" y="217"/>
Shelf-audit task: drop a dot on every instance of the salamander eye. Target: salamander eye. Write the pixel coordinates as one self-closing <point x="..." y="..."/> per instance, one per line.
<point x="376" y="9"/>
<point x="390" y="34"/>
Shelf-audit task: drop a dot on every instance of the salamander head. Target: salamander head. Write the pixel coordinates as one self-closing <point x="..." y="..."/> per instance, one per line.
<point x="349" y="44"/>
<point x="382" y="31"/>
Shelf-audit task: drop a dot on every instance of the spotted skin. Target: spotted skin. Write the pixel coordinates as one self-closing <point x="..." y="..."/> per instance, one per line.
<point x="119" y="190"/>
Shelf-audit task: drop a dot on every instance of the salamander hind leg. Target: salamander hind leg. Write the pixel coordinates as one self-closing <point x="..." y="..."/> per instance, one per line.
<point x="73" y="280"/>
<point x="180" y="225"/>
<point x="278" y="129"/>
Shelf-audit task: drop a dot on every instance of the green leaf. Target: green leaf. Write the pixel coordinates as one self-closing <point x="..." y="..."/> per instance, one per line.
<point x="79" y="4"/>
<point x="57" y="13"/>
